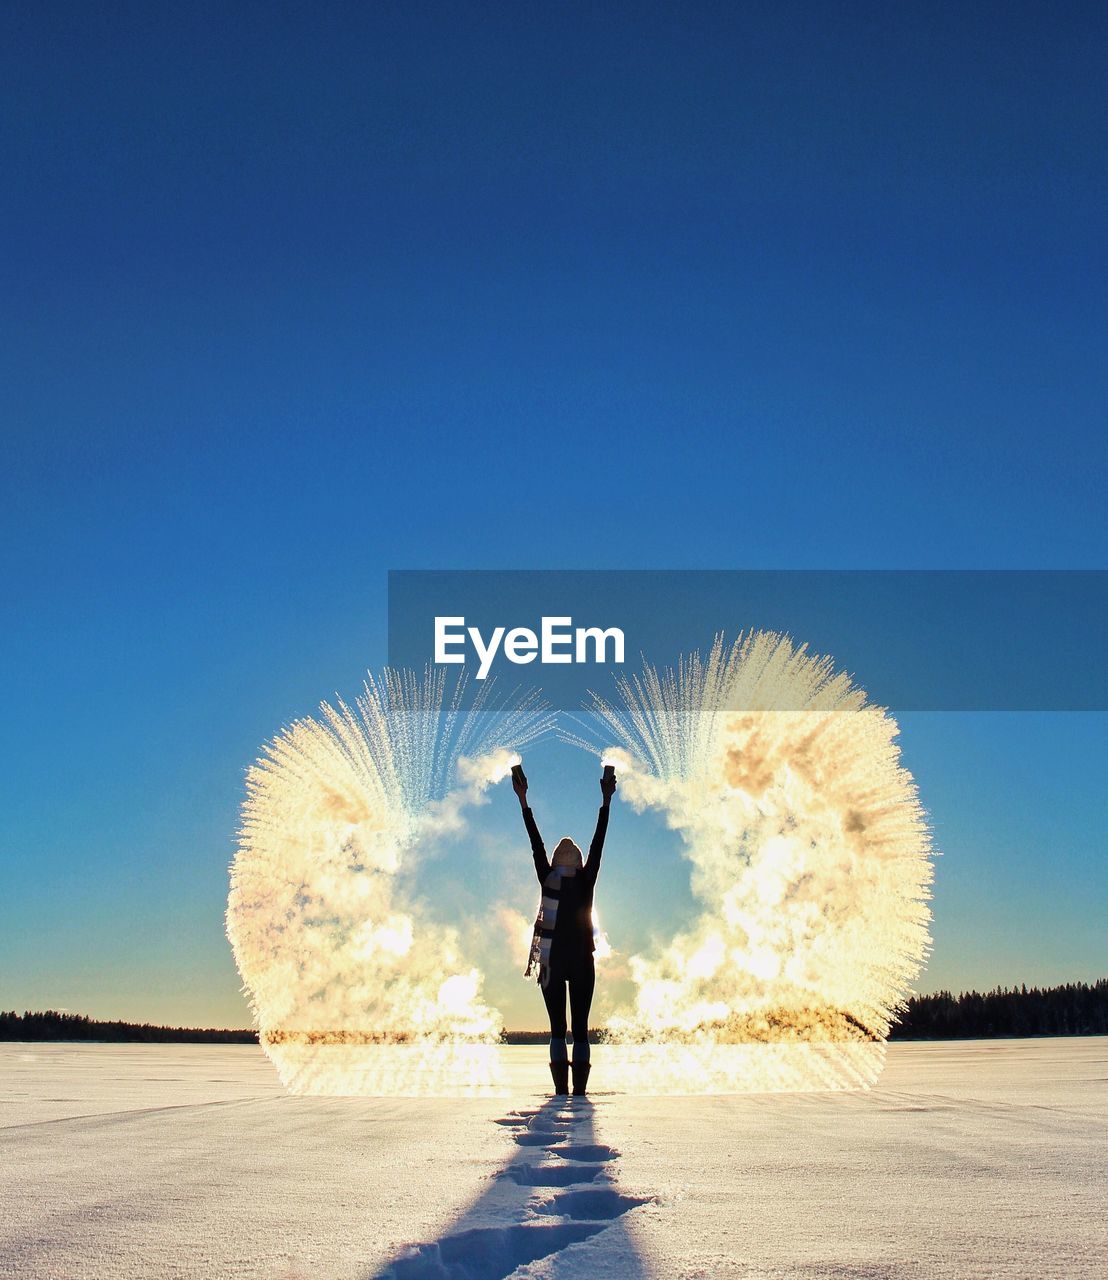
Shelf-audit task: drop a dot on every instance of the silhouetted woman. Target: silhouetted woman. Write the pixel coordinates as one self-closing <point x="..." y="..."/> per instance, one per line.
<point x="562" y="946"/>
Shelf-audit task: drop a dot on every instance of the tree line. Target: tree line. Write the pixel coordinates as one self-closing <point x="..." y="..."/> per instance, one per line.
<point x="1073" y="1009"/>
<point x="53" y="1025"/>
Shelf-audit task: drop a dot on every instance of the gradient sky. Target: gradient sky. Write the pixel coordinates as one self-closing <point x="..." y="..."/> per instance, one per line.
<point x="293" y="295"/>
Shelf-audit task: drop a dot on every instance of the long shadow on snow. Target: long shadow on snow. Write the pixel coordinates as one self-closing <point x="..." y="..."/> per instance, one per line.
<point x="558" y="1154"/>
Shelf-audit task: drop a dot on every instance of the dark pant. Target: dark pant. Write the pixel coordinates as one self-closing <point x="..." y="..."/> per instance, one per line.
<point x="579" y="975"/>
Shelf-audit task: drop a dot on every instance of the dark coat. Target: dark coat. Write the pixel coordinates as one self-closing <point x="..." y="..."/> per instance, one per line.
<point x="573" y="934"/>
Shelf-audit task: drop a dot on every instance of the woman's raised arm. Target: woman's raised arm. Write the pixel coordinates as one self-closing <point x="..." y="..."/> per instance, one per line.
<point x="538" y="849"/>
<point x="596" y="849"/>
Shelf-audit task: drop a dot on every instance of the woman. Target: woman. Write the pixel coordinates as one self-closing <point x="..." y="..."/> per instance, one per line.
<point x="562" y="945"/>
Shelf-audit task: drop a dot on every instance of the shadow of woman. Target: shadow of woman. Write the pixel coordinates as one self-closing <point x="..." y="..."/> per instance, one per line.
<point x="557" y="1191"/>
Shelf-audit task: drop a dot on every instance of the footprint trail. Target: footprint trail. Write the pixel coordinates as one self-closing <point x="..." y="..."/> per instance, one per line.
<point x="565" y="1178"/>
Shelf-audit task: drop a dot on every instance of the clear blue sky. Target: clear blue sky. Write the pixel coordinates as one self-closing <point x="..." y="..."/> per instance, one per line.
<point x="293" y="295"/>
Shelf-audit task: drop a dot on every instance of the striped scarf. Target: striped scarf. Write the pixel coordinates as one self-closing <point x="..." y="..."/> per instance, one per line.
<point x="544" y="923"/>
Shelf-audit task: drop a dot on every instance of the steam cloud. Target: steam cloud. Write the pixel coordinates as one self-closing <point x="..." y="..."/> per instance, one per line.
<point x="810" y="860"/>
<point x="334" y="950"/>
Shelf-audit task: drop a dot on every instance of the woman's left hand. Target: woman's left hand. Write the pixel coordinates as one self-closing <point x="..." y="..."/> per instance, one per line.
<point x="519" y="785"/>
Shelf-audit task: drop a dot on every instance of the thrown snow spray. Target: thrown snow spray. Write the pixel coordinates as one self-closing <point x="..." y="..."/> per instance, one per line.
<point x="810" y="864"/>
<point x="354" y="990"/>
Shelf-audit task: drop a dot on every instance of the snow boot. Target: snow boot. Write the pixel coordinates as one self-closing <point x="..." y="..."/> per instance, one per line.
<point x="559" y="1072"/>
<point x="580" y="1077"/>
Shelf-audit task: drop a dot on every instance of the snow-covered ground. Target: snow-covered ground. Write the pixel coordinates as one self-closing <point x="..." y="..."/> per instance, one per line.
<point x="968" y="1159"/>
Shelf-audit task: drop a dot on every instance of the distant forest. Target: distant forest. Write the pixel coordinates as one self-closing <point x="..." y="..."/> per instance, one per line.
<point x="1075" y="1009"/>
<point x="52" y="1025"/>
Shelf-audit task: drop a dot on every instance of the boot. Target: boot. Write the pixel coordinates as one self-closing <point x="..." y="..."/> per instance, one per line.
<point x="580" y="1077"/>
<point x="559" y="1072"/>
